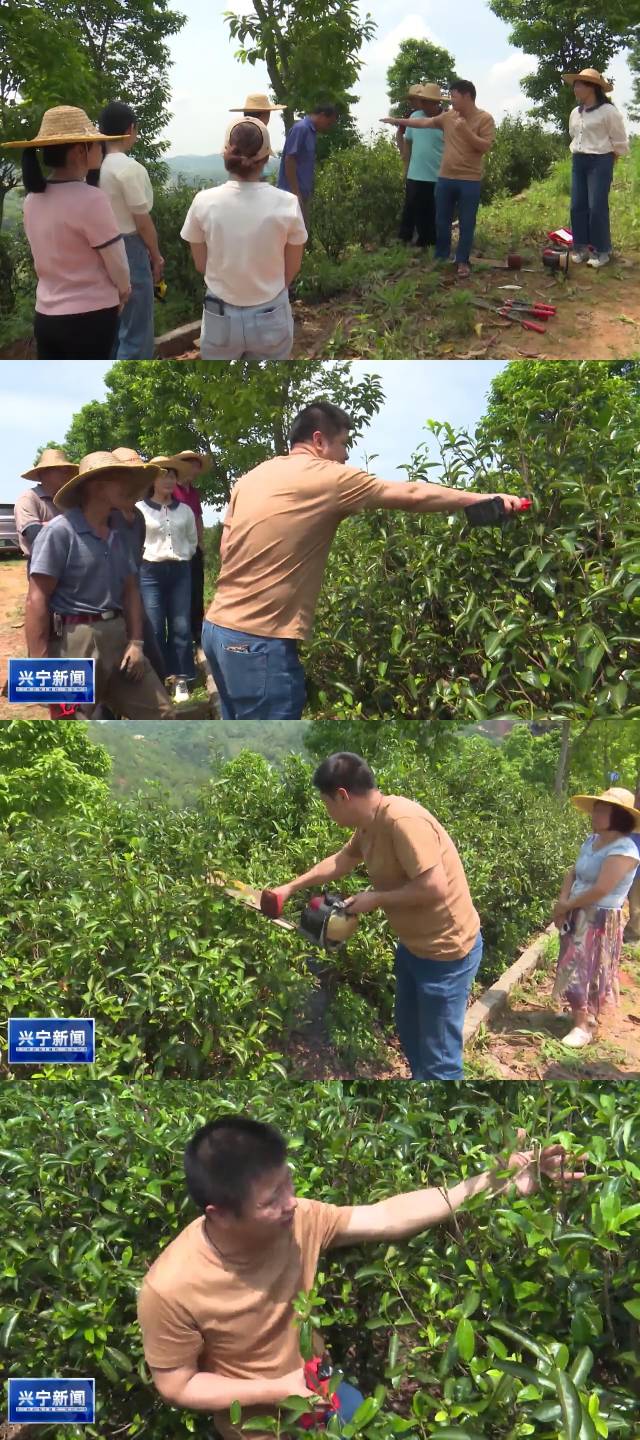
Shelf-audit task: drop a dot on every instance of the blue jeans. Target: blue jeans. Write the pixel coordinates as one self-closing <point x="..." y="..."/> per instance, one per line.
<point x="135" y="338"/>
<point x="590" y="186"/>
<point x="257" y="678"/>
<point x="165" y="586"/>
<point x="463" y="196"/>
<point x="257" y="332"/>
<point x="350" y="1400"/>
<point x="431" y="1001"/>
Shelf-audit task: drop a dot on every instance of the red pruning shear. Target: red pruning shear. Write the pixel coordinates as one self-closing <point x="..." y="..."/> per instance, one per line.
<point x="62" y="712"/>
<point x="536" y="307"/>
<point x="317" y="1374"/>
<point x="511" y="314"/>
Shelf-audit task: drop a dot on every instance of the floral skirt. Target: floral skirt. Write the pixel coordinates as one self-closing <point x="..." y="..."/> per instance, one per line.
<point x="587" y="974"/>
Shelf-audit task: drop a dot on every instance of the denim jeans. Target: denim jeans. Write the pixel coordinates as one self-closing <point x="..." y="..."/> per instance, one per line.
<point x="590" y="186"/>
<point x="257" y="678"/>
<point x="135" y="338"/>
<point x="431" y="1001"/>
<point x="463" y="196"/>
<point x="257" y="332"/>
<point x="166" y="595"/>
<point x="350" y="1401"/>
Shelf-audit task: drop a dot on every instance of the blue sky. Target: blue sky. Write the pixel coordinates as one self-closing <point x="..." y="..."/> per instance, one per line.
<point x="206" y="79"/>
<point x="38" y="401"/>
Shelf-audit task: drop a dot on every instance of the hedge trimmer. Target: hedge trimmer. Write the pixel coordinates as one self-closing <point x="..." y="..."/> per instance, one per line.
<point x="325" y="920"/>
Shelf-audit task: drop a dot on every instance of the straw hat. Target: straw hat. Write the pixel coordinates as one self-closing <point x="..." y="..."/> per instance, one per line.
<point x="50" y="460"/>
<point x="590" y="77"/>
<point x="256" y="102"/>
<point x="171" y="462"/>
<point x="425" y="92"/>
<point x="266" y="145"/>
<point x="63" y="125"/>
<point x="204" y="460"/>
<point x="614" y="796"/>
<point x="107" y="465"/>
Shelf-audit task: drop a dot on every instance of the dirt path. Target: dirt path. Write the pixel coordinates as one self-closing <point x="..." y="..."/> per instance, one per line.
<point x="13" y="590"/>
<point x="524" y="1042"/>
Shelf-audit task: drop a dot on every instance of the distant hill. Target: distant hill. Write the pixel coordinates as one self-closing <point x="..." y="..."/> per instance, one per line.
<point x="209" y="168"/>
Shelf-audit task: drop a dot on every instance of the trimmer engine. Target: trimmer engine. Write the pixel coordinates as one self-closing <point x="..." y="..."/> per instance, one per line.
<point x="325" y="921"/>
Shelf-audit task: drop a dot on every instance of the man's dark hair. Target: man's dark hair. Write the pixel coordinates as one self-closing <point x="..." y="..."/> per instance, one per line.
<point x="464" y="87"/>
<point x="621" y="820"/>
<point x="319" y="415"/>
<point x="225" y="1157"/>
<point x="116" y="118"/>
<point x="344" y="771"/>
<point x="325" y="109"/>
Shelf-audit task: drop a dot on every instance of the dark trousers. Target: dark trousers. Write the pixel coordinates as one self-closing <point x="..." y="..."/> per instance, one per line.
<point x="197" y="596"/>
<point x="419" y="213"/>
<point x="89" y="336"/>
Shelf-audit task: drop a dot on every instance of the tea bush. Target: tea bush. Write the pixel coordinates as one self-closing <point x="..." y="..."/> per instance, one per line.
<point x="105" y="909"/>
<point x="518" y="1318"/>
<point x="358" y="197"/>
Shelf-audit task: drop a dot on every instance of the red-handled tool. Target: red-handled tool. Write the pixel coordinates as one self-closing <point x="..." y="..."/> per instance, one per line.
<point x="535" y="307"/>
<point x="271" y="904"/>
<point x="317" y="1374"/>
<point x="506" y="314"/>
<point x="492" y="511"/>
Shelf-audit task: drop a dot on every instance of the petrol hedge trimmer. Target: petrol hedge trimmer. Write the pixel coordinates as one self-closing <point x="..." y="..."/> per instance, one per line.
<point x="324" y="920"/>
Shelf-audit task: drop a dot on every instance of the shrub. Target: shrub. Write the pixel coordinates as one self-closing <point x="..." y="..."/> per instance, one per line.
<point x="358" y="197"/>
<point x="523" y="151"/>
<point x="468" y="1325"/>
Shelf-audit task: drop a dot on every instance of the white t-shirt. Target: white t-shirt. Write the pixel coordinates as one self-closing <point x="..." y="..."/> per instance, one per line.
<point x="246" y="227"/>
<point x="598" y="131"/>
<point x="129" y="188"/>
<point x="170" y="530"/>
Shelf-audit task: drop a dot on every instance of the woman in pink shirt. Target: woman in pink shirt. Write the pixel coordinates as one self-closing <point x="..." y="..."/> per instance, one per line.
<point x="78" y="252"/>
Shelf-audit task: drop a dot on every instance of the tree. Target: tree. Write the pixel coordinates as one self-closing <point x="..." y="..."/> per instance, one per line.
<point x="238" y="412"/>
<point x="417" y="62"/>
<point x="44" y="769"/>
<point x="311" y="49"/>
<point x="41" y="64"/>
<point x="634" y="66"/>
<point x="565" y="35"/>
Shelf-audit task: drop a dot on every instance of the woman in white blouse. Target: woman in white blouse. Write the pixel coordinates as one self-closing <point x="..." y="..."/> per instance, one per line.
<point x="165" y="573"/>
<point x="598" y="138"/>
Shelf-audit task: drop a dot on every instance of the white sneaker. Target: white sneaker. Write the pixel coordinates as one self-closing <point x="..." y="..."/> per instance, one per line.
<point x="181" y="692"/>
<point x="597" y="261"/>
<point x="577" y="1038"/>
<point x="578" y="256"/>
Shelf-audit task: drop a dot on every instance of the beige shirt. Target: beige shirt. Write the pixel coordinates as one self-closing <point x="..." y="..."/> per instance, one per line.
<point x="281" y="520"/>
<point x="459" y="160"/>
<point x="600" y="131"/>
<point x="234" y="1319"/>
<point x="34" y="507"/>
<point x="246" y="227"/>
<point x="401" y="842"/>
<point x="128" y="187"/>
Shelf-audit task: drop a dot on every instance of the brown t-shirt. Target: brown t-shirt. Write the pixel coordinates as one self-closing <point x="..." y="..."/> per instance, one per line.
<point x="234" y="1319"/>
<point x="34" y="507"/>
<point x="281" y="520"/>
<point x="400" y="843"/>
<point x="459" y="159"/>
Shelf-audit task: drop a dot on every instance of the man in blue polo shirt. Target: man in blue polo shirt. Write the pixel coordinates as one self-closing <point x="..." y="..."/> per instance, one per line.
<point x="421" y="151"/>
<point x="84" y="599"/>
<point x="298" y="161"/>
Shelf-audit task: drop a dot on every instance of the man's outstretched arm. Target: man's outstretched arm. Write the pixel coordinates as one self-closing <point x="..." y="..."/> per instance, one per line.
<point x="335" y="867"/>
<point x="423" y="498"/>
<point x="402" y="1216"/>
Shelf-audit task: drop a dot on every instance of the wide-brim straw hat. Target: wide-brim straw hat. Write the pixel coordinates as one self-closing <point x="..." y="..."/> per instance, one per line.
<point x="425" y="92"/>
<point x="171" y="462"/>
<point x="590" y="77"/>
<point x="63" y="125"/>
<point x="107" y="465"/>
<point x="616" y="795"/>
<point x="265" y="151"/>
<point x="50" y="460"/>
<point x="256" y="102"/>
<point x="204" y="460"/>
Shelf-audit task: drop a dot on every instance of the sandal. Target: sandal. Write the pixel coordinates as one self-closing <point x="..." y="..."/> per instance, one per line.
<point x="463" y="272"/>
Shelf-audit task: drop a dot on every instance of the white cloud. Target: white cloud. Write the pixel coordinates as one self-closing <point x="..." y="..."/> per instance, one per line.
<point x="384" y="49"/>
<point x="514" y="67"/>
<point x="20" y="408"/>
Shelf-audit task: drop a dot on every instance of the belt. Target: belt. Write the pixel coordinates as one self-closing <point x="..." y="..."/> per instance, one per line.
<point x="91" y="619"/>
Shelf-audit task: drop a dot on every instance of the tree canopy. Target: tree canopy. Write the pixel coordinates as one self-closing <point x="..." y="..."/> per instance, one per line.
<point x="417" y="62"/>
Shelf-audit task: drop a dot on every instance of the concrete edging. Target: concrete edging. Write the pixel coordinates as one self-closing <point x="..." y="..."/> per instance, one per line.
<point x="176" y="341"/>
<point x="493" y="999"/>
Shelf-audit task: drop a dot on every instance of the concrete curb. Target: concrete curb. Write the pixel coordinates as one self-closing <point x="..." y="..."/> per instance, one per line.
<point x="493" y="999"/>
<point x="176" y="341"/>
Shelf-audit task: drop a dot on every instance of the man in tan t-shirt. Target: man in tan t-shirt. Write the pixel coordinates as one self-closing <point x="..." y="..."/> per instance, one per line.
<point x="216" y="1308"/>
<point x="468" y="134"/>
<point x="420" y="884"/>
<point x="276" y="538"/>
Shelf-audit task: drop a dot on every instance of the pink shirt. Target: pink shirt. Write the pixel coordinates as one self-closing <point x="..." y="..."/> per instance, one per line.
<point x="65" y="227"/>
<point x="189" y="496"/>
